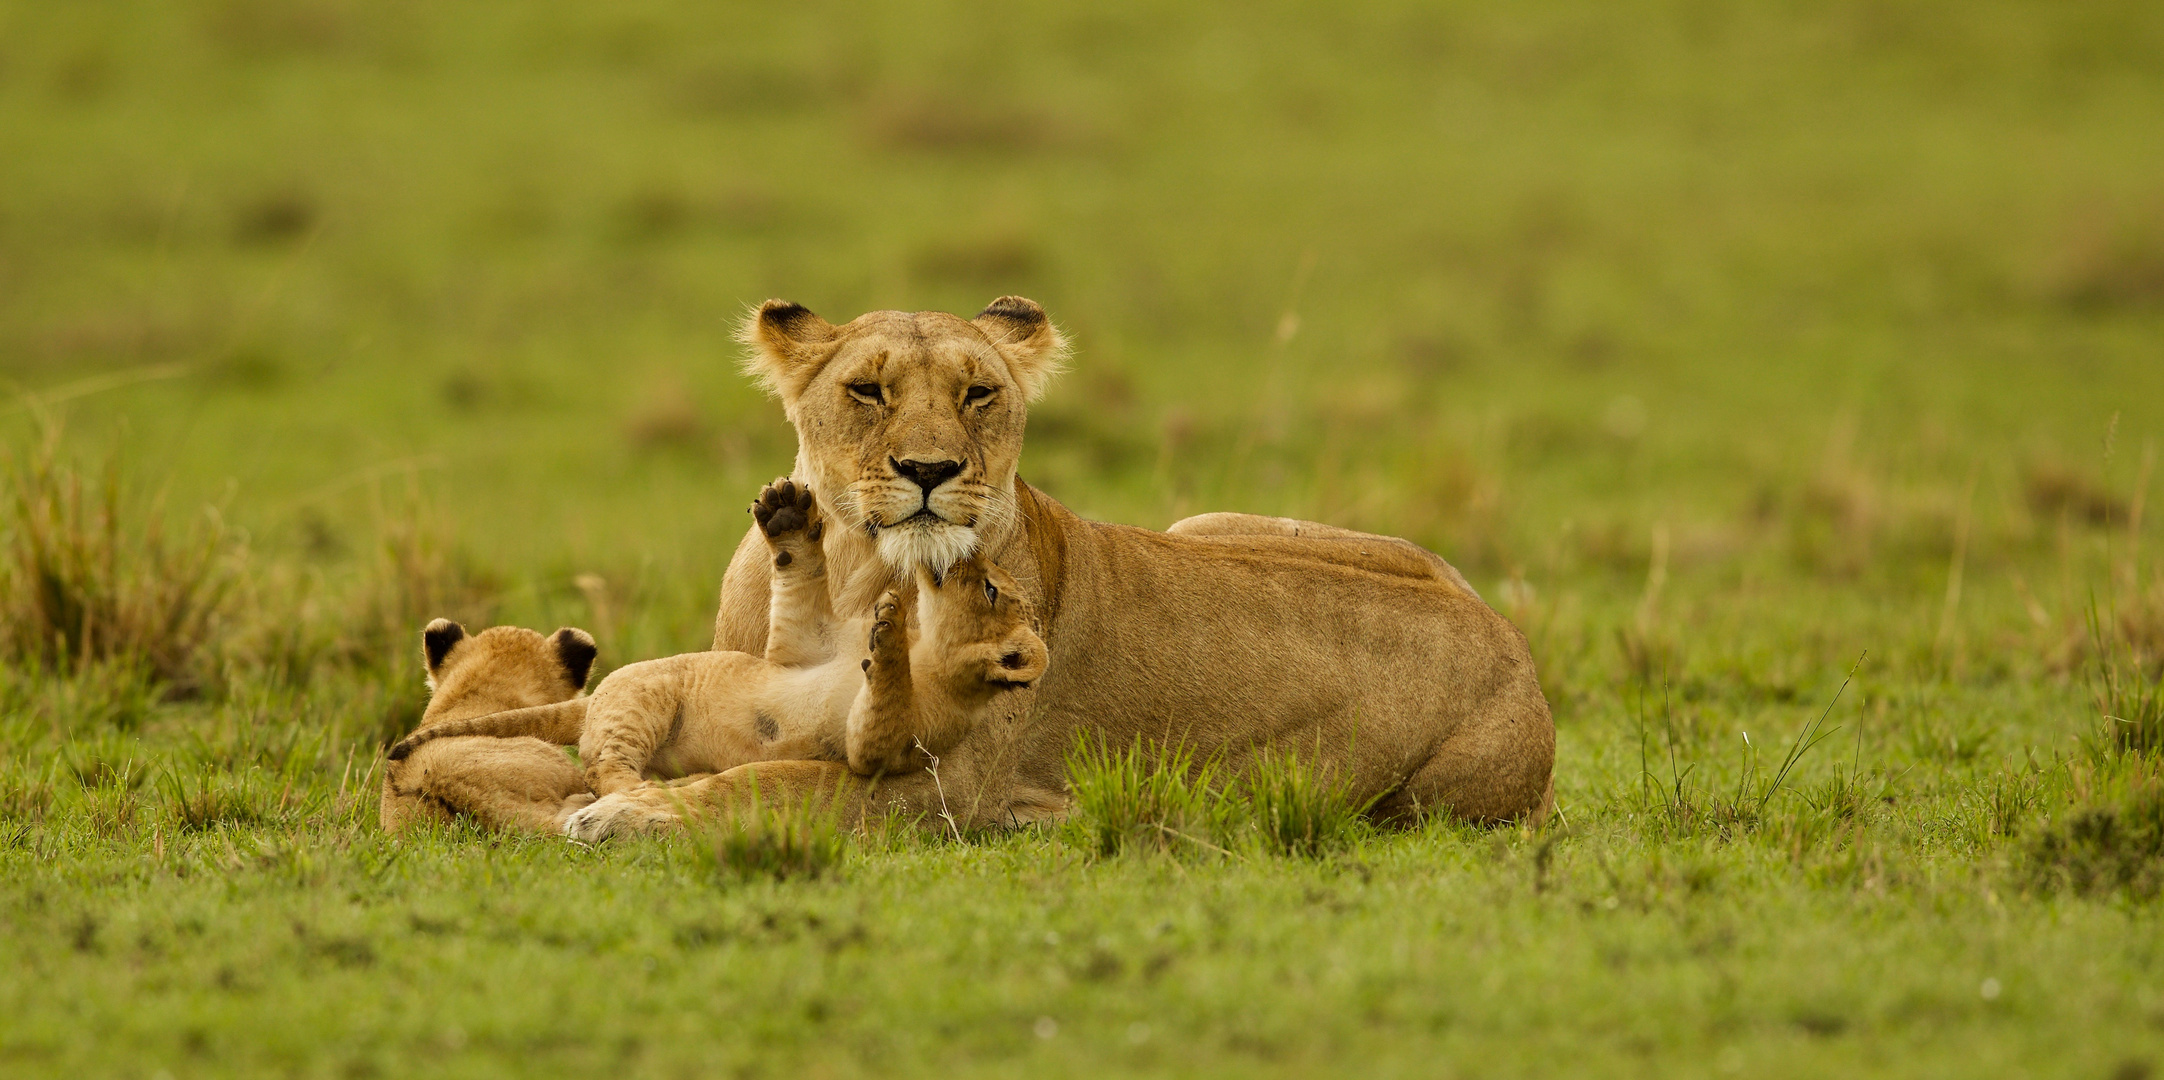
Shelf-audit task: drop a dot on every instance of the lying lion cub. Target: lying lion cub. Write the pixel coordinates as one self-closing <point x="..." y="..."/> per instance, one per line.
<point x="806" y="699"/>
<point x="523" y="784"/>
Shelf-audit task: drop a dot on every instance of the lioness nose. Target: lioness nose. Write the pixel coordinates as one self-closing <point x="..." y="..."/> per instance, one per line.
<point x="927" y="474"/>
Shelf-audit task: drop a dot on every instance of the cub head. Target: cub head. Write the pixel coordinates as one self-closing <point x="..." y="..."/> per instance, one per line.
<point x="502" y="667"/>
<point x="909" y="424"/>
<point x="975" y="619"/>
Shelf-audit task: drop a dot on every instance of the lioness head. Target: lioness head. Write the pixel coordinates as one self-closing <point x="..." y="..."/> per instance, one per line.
<point x="977" y="622"/>
<point x="909" y="422"/>
<point x="502" y="667"/>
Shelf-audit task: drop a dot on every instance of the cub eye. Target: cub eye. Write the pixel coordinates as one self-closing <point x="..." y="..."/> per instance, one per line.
<point x="991" y="593"/>
<point x="867" y="392"/>
<point x="978" y="395"/>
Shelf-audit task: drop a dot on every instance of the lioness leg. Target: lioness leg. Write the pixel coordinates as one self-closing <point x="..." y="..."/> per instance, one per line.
<point x="1497" y="767"/>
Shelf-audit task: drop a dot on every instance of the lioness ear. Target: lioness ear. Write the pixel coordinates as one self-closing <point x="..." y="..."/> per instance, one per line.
<point x="1034" y="349"/>
<point x="436" y="641"/>
<point x="575" y="647"/>
<point x="788" y="344"/>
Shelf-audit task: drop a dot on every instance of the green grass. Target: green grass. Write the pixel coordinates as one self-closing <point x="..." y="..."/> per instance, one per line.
<point x="1718" y="345"/>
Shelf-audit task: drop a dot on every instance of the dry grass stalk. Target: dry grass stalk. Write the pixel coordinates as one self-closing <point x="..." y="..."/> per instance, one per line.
<point x="85" y="577"/>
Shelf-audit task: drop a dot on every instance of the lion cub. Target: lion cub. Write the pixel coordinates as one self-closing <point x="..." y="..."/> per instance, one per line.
<point x="807" y="698"/>
<point x="524" y="783"/>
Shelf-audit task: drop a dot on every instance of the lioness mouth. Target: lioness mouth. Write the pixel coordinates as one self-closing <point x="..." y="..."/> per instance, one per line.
<point x="922" y="519"/>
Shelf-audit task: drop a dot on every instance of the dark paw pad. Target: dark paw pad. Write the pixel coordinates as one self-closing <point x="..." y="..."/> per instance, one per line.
<point x="784" y="507"/>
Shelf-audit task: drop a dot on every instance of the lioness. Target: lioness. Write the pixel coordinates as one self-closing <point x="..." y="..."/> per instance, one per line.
<point x="875" y="706"/>
<point x="522" y="784"/>
<point x="1363" y="650"/>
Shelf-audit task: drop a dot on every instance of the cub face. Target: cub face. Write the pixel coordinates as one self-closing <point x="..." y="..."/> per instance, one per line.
<point x="977" y="614"/>
<point x="502" y="667"/>
<point x="916" y="419"/>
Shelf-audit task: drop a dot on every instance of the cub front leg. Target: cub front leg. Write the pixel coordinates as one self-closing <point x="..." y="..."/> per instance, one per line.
<point x="882" y="731"/>
<point x="798" y="611"/>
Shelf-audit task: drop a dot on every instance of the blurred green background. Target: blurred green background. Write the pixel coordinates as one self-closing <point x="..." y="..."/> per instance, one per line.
<point x="1520" y="283"/>
<point x="1718" y="343"/>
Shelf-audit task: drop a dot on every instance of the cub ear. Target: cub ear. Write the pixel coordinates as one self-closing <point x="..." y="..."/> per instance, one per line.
<point x="436" y="641"/>
<point x="788" y="345"/>
<point x="1034" y="349"/>
<point x="575" y="647"/>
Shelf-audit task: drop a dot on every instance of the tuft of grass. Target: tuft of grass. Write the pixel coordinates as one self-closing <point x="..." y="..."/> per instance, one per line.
<point x="1301" y="808"/>
<point x="2130" y="701"/>
<point x="761" y="841"/>
<point x="1681" y="806"/>
<point x="418" y="575"/>
<point x="24" y="798"/>
<point x="87" y="577"/>
<point x="116" y="696"/>
<point x="210" y="800"/>
<point x="2116" y="847"/>
<point x="1148" y="796"/>
<point x="2008" y="803"/>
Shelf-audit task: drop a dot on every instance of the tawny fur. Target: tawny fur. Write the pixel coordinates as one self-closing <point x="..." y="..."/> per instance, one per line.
<point x="1229" y="633"/>
<point x="522" y="784"/>
<point x="881" y="705"/>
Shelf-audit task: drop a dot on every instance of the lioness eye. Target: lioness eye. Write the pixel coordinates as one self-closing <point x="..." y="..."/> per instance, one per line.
<point x="991" y="593"/>
<point x="978" y="393"/>
<point x="869" y="391"/>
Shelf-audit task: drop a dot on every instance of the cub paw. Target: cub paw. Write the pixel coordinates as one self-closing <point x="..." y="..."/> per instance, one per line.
<point x="786" y="508"/>
<point x="887" y="635"/>
<point x="622" y="814"/>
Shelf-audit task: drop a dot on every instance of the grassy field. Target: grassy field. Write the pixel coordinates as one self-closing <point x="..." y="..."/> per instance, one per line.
<point x="1728" y="349"/>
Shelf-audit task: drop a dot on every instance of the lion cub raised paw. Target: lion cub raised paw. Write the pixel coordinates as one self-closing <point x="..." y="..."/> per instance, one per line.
<point x="889" y="640"/>
<point x="789" y="519"/>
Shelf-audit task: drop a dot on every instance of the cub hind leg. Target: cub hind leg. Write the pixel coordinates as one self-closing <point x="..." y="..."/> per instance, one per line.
<point x="678" y="714"/>
<point x="636" y="711"/>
